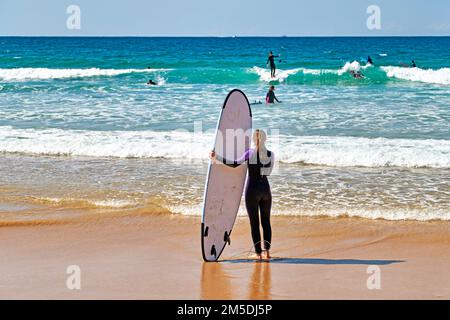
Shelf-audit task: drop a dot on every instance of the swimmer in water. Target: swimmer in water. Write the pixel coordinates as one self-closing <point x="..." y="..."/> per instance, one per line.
<point x="270" y="96"/>
<point x="152" y="83"/>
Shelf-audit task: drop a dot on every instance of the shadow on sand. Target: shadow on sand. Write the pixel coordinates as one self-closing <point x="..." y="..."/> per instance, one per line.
<point x="319" y="261"/>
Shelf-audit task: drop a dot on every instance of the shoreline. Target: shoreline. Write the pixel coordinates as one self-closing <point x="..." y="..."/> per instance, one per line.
<point x="146" y="256"/>
<point x="134" y="184"/>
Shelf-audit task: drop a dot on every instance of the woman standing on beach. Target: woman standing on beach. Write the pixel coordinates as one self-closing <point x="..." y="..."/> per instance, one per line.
<point x="258" y="196"/>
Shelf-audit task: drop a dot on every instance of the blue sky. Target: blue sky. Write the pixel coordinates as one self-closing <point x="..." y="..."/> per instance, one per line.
<point x="225" y="17"/>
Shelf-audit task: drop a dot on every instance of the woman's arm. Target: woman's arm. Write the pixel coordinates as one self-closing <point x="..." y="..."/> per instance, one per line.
<point x="235" y="163"/>
<point x="267" y="168"/>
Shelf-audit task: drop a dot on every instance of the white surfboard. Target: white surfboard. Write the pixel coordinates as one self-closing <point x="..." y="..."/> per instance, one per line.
<point x="224" y="184"/>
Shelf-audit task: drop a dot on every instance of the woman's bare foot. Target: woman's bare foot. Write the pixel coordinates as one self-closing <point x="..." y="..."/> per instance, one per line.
<point x="256" y="256"/>
<point x="266" y="255"/>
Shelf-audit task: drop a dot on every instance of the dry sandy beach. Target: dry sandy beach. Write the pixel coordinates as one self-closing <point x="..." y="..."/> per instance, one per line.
<point x="157" y="256"/>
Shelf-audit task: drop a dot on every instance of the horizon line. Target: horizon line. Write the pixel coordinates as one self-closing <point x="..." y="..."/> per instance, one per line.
<point x="227" y="36"/>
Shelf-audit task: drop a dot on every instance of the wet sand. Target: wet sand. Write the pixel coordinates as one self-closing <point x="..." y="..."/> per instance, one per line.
<point x="141" y="256"/>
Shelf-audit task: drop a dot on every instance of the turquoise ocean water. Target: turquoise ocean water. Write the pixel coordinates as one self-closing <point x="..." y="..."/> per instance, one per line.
<point x="78" y="124"/>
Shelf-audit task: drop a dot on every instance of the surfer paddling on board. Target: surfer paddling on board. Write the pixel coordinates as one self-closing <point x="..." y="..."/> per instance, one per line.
<point x="412" y="65"/>
<point x="271" y="60"/>
<point x="270" y="96"/>
<point x="258" y="197"/>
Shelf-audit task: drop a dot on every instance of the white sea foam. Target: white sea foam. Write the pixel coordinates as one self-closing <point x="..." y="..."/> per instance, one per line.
<point x="314" y="150"/>
<point x="365" y="152"/>
<point x="440" y="76"/>
<point x="18" y="74"/>
<point x="113" y="203"/>
<point x="386" y="214"/>
<point x="161" y="80"/>
<point x="281" y="75"/>
<point x="352" y="66"/>
<point x="109" y="203"/>
<point x="123" y="144"/>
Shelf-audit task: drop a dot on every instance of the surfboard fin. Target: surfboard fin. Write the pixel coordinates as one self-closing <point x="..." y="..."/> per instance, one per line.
<point x="205" y="233"/>
<point x="213" y="251"/>
<point x="226" y="238"/>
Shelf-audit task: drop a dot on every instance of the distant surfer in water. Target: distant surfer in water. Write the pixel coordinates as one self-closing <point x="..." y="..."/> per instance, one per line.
<point x="258" y="196"/>
<point x="270" y="96"/>
<point x="271" y="60"/>
<point x="369" y="60"/>
<point x="413" y="64"/>
<point x="357" y="74"/>
<point x="152" y="83"/>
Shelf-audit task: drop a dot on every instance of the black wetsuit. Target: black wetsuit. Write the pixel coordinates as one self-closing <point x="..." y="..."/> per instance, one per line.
<point x="258" y="196"/>
<point x="271" y="59"/>
<point x="270" y="97"/>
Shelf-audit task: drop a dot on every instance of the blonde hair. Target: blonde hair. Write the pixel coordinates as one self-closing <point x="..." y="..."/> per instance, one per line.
<point x="259" y="139"/>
